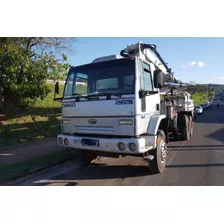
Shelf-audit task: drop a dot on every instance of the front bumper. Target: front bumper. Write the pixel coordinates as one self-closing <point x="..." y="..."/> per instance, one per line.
<point x="108" y="144"/>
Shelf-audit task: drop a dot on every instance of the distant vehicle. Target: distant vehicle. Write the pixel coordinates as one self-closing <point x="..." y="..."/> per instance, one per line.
<point x="203" y="106"/>
<point x="198" y="109"/>
<point x="206" y="105"/>
<point x="195" y="113"/>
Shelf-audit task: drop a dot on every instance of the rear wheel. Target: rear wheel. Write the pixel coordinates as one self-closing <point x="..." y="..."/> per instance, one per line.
<point x="176" y="135"/>
<point x="175" y="129"/>
<point x="158" y="164"/>
<point x="185" y="132"/>
<point x="190" y="125"/>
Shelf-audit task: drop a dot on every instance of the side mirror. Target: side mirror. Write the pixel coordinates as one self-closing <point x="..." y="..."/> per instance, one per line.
<point x="56" y="91"/>
<point x="141" y="94"/>
<point x="158" y="79"/>
<point x="56" y="88"/>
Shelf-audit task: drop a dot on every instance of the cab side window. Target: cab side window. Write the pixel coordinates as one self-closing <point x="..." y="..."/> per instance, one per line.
<point x="146" y="79"/>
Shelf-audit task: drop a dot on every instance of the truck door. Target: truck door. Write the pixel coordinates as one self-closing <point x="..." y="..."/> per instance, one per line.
<point x="151" y="102"/>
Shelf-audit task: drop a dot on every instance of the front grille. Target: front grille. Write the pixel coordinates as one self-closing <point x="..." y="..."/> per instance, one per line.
<point x="94" y="130"/>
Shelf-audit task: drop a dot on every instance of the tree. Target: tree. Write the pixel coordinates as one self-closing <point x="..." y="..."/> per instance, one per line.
<point x="193" y="88"/>
<point x="26" y="63"/>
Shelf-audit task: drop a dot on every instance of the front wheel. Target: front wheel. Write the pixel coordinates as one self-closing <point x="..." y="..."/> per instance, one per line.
<point x="158" y="164"/>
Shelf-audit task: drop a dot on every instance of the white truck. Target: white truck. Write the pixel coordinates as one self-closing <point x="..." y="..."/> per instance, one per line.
<point x="117" y="111"/>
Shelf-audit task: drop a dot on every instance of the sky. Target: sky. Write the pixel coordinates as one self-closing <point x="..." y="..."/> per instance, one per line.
<point x="191" y="59"/>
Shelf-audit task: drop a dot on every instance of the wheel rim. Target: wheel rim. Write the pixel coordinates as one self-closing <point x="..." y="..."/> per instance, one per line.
<point x="163" y="151"/>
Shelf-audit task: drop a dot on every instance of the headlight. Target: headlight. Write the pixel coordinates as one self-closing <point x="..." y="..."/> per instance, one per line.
<point x="180" y="105"/>
<point x="121" y="146"/>
<point x="60" y="140"/>
<point x="125" y="122"/>
<point x="132" y="146"/>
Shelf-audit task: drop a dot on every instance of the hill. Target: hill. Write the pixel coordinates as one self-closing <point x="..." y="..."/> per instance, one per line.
<point x="217" y="87"/>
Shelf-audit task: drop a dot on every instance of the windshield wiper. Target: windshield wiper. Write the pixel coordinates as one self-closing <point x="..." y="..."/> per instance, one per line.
<point x="108" y="95"/>
<point x="103" y="94"/>
<point x="79" y="95"/>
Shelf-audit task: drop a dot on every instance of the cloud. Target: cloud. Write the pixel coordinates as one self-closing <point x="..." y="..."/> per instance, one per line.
<point x="218" y="77"/>
<point x="199" y="64"/>
<point x="217" y="80"/>
<point x="193" y="63"/>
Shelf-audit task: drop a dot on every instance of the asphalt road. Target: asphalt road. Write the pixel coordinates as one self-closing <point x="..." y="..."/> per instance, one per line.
<point x="199" y="161"/>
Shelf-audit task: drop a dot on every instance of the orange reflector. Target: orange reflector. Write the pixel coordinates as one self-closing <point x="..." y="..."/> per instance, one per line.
<point x="157" y="140"/>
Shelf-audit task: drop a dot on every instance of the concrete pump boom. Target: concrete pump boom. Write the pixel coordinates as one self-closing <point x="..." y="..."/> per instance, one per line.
<point x="152" y="55"/>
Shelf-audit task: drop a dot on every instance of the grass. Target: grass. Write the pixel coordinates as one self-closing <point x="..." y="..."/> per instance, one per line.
<point x="18" y="170"/>
<point x="199" y="98"/>
<point x="42" y="120"/>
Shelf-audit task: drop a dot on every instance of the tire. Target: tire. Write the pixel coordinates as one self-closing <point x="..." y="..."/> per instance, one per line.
<point x="158" y="164"/>
<point x="176" y="136"/>
<point x="185" y="132"/>
<point x="191" y="125"/>
<point x="175" y="129"/>
<point x="87" y="156"/>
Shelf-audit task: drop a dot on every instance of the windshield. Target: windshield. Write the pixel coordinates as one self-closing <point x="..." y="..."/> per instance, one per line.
<point x="115" y="76"/>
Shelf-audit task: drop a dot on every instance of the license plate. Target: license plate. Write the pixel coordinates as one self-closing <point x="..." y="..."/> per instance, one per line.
<point x="90" y="142"/>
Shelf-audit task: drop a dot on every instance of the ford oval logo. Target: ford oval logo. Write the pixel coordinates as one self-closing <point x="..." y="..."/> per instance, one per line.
<point x="92" y="121"/>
